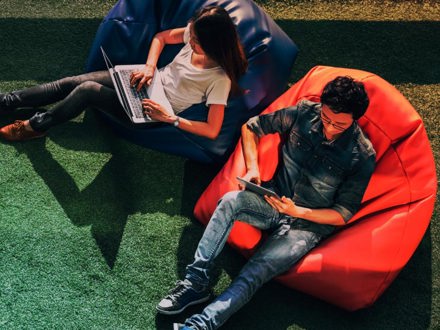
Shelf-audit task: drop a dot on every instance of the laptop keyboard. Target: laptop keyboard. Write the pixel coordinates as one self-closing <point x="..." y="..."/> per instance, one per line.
<point x="134" y="97"/>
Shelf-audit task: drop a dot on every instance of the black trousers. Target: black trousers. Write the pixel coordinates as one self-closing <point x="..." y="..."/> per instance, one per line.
<point x="74" y="94"/>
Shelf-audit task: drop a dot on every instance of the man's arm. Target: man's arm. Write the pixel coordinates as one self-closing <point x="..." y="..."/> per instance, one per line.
<point x="347" y="202"/>
<point x="276" y="122"/>
<point x="324" y="216"/>
<point x="249" y="141"/>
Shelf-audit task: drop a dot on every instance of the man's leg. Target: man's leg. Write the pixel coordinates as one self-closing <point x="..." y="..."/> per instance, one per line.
<point x="281" y="251"/>
<point x="243" y="205"/>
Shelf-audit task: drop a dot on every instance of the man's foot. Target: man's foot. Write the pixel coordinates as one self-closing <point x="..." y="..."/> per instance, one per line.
<point x="19" y="132"/>
<point x="179" y="298"/>
<point x="180" y="326"/>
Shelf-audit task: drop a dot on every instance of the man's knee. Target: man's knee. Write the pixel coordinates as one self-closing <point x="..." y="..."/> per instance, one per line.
<point x="236" y="199"/>
<point x="238" y="196"/>
<point x="229" y="197"/>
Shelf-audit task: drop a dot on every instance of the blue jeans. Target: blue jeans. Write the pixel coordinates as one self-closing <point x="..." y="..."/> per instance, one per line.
<point x="280" y="251"/>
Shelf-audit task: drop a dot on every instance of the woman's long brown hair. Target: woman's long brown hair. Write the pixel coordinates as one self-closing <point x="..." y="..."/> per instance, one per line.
<point x="217" y="36"/>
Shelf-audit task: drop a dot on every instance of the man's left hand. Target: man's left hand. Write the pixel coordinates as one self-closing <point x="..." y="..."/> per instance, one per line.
<point x="284" y="205"/>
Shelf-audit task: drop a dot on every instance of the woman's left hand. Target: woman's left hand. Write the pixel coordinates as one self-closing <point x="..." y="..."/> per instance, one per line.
<point x="156" y="111"/>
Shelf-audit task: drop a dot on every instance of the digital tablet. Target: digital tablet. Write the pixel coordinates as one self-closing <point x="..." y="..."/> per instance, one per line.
<point x="256" y="188"/>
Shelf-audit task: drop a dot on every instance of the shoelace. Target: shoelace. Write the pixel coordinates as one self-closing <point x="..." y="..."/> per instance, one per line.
<point x="18" y="124"/>
<point x="177" y="291"/>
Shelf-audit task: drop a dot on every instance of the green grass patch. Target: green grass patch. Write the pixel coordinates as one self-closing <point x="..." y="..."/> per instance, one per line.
<point x="86" y="245"/>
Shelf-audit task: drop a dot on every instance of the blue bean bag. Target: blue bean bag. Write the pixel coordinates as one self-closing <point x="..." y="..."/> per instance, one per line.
<point x="126" y="34"/>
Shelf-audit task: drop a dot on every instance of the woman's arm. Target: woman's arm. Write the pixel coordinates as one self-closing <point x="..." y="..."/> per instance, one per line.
<point x="167" y="37"/>
<point x="210" y="128"/>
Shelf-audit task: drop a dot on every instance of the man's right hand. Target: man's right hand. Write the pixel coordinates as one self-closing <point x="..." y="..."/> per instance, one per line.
<point x="252" y="176"/>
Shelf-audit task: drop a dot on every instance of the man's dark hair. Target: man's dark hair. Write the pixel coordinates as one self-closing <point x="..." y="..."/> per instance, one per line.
<point x="344" y="94"/>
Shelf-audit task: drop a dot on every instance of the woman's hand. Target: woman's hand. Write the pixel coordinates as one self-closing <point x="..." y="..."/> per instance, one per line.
<point x="142" y="77"/>
<point x="285" y="205"/>
<point x="157" y="111"/>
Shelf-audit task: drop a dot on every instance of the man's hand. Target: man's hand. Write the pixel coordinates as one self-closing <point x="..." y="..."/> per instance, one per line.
<point x="286" y="206"/>
<point x="142" y="77"/>
<point x="252" y="176"/>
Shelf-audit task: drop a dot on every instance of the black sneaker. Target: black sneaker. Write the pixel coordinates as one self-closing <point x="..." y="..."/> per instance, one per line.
<point x="182" y="296"/>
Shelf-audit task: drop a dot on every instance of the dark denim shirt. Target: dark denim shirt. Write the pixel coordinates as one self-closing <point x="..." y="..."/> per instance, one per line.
<point x="314" y="172"/>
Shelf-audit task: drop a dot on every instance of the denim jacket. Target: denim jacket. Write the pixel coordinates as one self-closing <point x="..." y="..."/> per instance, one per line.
<point x="314" y="172"/>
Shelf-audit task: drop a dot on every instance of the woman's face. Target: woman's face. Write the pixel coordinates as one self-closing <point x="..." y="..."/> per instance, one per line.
<point x="194" y="42"/>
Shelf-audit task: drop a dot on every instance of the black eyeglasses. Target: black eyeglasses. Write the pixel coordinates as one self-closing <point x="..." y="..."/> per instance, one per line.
<point x="326" y="120"/>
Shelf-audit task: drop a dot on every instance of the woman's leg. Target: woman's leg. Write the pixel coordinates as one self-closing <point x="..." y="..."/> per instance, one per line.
<point x="51" y="92"/>
<point x="87" y="94"/>
<point x="81" y="94"/>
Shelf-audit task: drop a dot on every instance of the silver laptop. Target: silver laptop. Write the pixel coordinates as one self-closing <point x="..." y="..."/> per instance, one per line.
<point x="130" y="98"/>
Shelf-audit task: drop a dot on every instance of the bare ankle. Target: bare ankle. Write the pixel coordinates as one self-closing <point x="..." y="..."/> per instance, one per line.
<point x="27" y="126"/>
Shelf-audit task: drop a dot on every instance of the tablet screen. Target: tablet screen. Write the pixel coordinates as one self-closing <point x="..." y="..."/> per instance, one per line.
<point x="256" y="188"/>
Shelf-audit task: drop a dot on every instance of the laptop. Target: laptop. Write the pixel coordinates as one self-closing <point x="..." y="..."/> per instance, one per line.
<point x="129" y="97"/>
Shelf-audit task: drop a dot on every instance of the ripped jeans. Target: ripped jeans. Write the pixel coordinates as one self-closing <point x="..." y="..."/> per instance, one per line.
<point x="280" y="251"/>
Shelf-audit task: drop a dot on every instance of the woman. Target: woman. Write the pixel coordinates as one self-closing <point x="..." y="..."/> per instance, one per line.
<point x="207" y="70"/>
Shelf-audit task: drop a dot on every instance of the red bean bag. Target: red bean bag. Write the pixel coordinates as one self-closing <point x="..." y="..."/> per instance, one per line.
<point x="353" y="267"/>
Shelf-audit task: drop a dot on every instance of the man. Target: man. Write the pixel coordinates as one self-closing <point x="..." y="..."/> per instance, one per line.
<point x="326" y="164"/>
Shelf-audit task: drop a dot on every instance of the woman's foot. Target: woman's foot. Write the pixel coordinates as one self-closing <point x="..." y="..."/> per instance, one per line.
<point x="6" y="101"/>
<point x="19" y="131"/>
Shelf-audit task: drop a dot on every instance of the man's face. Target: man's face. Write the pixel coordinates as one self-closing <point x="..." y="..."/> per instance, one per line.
<point x="334" y="123"/>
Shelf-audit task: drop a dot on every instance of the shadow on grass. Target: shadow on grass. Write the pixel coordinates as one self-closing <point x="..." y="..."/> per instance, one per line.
<point x="127" y="183"/>
<point x="44" y="49"/>
<point x="400" y="52"/>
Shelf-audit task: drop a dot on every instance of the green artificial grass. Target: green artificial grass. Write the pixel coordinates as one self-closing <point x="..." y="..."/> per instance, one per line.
<point x="86" y="245"/>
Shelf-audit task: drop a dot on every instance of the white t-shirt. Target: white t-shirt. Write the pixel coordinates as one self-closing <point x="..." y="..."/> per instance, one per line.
<point x="185" y="85"/>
